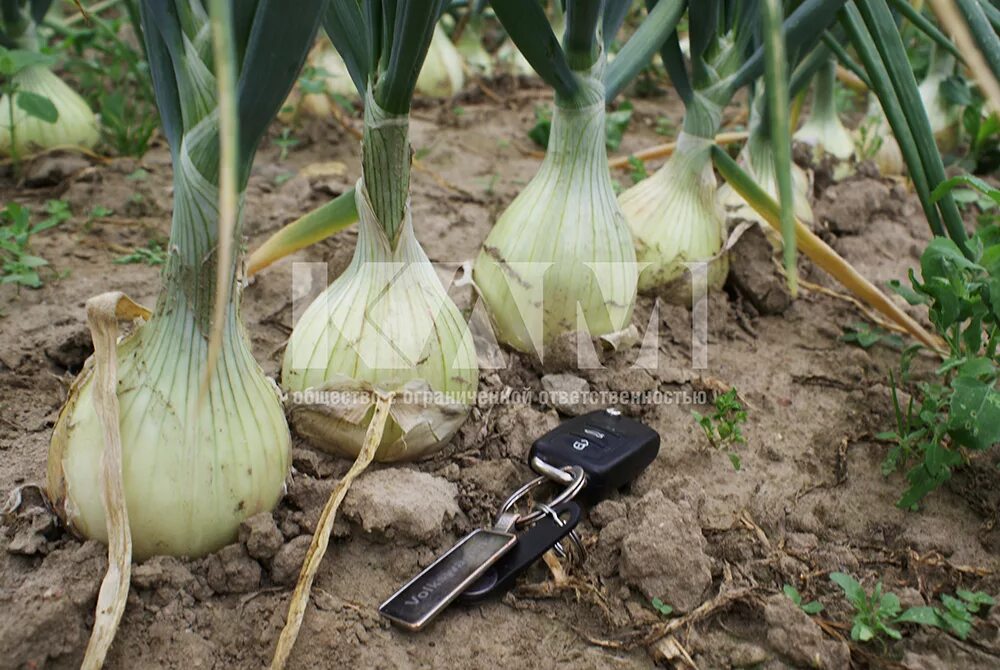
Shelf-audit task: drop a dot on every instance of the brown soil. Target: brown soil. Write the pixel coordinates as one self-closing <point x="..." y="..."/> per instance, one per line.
<point x="809" y="499"/>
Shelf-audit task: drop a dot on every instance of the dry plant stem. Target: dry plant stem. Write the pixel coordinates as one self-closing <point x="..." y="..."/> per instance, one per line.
<point x="665" y="150"/>
<point x="953" y="22"/>
<point x="830" y="261"/>
<point x="707" y="608"/>
<point x="222" y="49"/>
<point x="103" y="313"/>
<point x="850" y="80"/>
<point x="868" y="314"/>
<point x="321" y="539"/>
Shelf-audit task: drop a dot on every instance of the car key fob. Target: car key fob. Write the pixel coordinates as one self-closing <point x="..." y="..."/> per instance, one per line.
<point x="612" y="450"/>
<point x="531" y="544"/>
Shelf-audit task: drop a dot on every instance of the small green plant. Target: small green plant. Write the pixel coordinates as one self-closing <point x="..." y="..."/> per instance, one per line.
<point x="615" y="125"/>
<point x="637" y="169"/>
<point x="661" y="607"/>
<point x="17" y="265"/>
<point x="285" y="142"/>
<point x="96" y="54"/>
<point x="873" y="612"/>
<point x="722" y="426"/>
<point x="956" y="617"/>
<point x="865" y="335"/>
<point x="811" y="607"/>
<point x="869" y="139"/>
<point x="539" y="132"/>
<point x="152" y="254"/>
<point x="665" y="127"/>
<point x="959" y="410"/>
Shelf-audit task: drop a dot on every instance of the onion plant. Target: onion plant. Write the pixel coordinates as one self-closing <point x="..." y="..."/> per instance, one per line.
<point x="387" y="322"/>
<point x="675" y="215"/>
<point x="173" y="435"/>
<point x="38" y="110"/>
<point x="562" y="248"/>
<point x="382" y="364"/>
<point x="823" y="130"/>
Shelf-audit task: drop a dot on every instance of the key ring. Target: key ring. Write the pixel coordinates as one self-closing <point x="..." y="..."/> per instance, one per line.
<point x="558" y="475"/>
<point x="582" y="551"/>
<point x="577" y="479"/>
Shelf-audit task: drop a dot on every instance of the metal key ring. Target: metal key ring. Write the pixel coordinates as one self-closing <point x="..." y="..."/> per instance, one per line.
<point x="562" y="553"/>
<point x="559" y="475"/>
<point x="578" y="478"/>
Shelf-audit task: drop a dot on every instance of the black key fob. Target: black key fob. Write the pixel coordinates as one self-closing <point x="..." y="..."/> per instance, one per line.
<point x="612" y="450"/>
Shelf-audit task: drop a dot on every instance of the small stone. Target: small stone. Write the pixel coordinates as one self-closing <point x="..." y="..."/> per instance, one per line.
<point x="566" y="393"/>
<point x="402" y="503"/>
<point x="287" y="562"/>
<point x="793" y="635"/>
<point x="261" y="536"/>
<point x="663" y="553"/>
<point x="231" y="570"/>
<point x="910" y="597"/>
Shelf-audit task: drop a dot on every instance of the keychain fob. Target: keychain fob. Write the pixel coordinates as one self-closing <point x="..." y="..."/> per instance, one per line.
<point x="612" y="450"/>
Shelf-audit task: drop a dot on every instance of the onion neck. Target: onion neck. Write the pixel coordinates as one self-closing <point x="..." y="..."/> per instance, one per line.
<point x="824" y="100"/>
<point x="577" y="135"/>
<point x="385" y="162"/>
<point x="190" y="272"/>
<point x="702" y="116"/>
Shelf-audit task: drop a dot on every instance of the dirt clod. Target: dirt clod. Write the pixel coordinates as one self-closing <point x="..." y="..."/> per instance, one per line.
<point x="796" y="637"/>
<point x="261" y="536"/>
<point x="46" y="615"/>
<point x="52" y="169"/>
<point x="663" y="552"/>
<point x="566" y="393"/>
<point x="751" y="270"/>
<point x="402" y="503"/>
<point x="287" y="562"/>
<point x="231" y="570"/>
<point x="847" y="207"/>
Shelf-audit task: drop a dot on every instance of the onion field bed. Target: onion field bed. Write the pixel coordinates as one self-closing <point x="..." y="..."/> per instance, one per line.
<point x="687" y="566"/>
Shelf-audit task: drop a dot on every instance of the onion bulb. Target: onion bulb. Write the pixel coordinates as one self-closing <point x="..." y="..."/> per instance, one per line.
<point x="943" y="115"/>
<point x="76" y="124"/>
<point x="757" y="158"/>
<point x="874" y="140"/>
<point x="193" y="467"/>
<point x="823" y="129"/>
<point x="562" y="249"/>
<point x="386" y="325"/>
<point x="441" y="75"/>
<point x="470" y="46"/>
<point x="675" y="220"/>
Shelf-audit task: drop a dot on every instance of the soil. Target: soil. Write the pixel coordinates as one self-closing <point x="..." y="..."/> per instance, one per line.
<point x="715" y="543"/>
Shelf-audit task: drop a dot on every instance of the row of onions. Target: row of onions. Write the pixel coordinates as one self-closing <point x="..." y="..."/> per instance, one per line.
<point x="172" y="436"/>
